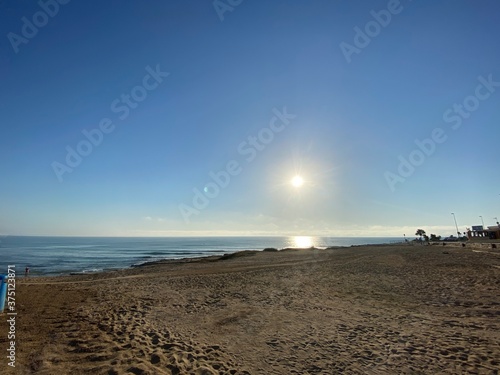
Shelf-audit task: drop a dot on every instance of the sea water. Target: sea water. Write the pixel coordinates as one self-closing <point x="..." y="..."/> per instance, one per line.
<point x="64" y="255"/>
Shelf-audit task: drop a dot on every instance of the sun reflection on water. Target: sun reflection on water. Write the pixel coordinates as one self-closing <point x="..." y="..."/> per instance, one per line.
<point x="303" y="241"/>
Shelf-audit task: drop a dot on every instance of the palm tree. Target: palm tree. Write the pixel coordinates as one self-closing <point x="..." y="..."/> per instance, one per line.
<point x="420" y="233"/>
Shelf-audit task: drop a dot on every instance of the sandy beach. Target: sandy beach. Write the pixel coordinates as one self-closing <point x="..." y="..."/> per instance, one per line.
<point x="361" y="310"/>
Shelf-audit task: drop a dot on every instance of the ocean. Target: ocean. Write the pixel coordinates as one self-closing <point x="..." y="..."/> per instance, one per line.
<point x="50" y="256"/>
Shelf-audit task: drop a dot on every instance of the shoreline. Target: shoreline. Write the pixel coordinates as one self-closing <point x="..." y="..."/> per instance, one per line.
<point x="47" y="255"/>
<point x="437" y="246"/>
<point x="201" y="258"/>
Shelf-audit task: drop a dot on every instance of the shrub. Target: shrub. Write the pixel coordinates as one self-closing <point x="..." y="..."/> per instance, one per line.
<point x="270" y="249"/>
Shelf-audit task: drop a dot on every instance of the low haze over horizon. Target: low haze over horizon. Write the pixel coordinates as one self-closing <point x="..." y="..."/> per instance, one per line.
<point x="196" y="118"/>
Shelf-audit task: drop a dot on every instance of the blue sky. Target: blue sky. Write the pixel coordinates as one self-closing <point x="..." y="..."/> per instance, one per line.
<point x="231" y="68"/>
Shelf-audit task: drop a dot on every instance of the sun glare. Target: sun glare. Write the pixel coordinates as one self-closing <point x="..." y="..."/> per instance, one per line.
<point x="303" y="241"/>
<point x="297" y="181"/>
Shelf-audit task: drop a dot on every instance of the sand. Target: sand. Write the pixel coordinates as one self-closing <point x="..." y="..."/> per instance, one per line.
<point x="360" y="310"/>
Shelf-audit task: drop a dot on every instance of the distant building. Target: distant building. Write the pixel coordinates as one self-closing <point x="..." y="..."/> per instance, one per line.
<point x="479" y="233"/>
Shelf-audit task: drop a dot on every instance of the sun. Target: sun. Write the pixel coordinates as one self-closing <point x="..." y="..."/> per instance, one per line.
<point x="297" y="181"/>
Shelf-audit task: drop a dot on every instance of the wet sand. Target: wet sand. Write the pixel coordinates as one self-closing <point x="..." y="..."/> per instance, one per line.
<point x="361" y="310"/>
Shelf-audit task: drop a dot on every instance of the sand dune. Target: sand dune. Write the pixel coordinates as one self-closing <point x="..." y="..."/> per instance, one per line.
<point x="362" y="310"/>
